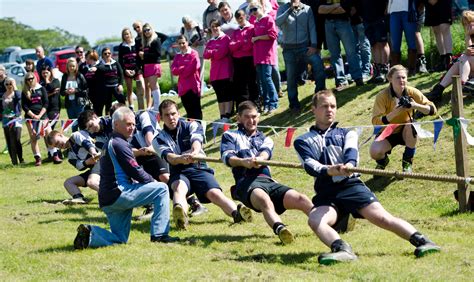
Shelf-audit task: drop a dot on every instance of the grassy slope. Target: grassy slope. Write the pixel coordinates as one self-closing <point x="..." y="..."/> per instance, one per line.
<point x="36" y="231"/>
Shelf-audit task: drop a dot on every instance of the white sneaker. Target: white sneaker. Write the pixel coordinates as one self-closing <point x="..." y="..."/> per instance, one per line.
<point x="74" y="201"/>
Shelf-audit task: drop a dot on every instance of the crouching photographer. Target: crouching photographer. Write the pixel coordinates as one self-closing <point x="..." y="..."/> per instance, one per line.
<point x="397" y="105"/>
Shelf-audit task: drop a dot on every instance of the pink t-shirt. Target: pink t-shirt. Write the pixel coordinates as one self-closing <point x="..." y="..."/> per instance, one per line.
<point x="187" y="67"/>
<point x="263" y="50"/>
<point x="241" y="42"/>
<point x="217" y="50"/>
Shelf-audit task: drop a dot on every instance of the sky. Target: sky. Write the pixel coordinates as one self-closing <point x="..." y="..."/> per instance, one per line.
<point x="96" y="19"/>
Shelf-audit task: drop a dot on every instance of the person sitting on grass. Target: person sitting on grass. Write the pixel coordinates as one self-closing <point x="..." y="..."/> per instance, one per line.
<point x="125" y="185"/>
<point x="178" y="143"/>
<point x="396" y="105"/>
<point x="84" y="156"/>
<point x="326" y="153"/>
<point x="241" y="149"/>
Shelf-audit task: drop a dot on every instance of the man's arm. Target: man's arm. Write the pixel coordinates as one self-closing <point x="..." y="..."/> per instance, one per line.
<point x="128" y="163"/>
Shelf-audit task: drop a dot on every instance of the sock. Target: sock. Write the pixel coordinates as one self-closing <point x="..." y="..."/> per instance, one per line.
<point x="156" y="98"/>
<point x="382" y="161"/>
<point x="52" y="151"/>
<point x="337" y="245"/>
<point x="78" y="195"/>
<point x="408" y="154"/>
<point x="277" y="226"/>
<point x="417" y="239"/>
<point x="38" y="155"/>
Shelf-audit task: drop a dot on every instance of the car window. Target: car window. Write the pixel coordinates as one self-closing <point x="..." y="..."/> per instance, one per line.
<point x="66" y="56"/>
<point x="28" y="56"/>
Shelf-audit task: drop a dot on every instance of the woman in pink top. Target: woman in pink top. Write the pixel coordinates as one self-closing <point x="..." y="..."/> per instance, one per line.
<point x="217" y="50"/>
<point x="241" y="48"/>
<point x="264" y="55"/>
<point x="187" y="66"/>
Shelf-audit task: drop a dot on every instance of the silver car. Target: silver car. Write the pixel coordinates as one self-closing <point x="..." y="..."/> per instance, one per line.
<point x="17" y="72"/>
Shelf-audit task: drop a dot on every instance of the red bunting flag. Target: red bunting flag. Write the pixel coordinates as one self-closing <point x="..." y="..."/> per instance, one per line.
<point x="226" y="127"/>
<point x="386" y="132"/>
<point x="290" y="131"/>
<point x="41" y="131"/>
<point x="67" y="124"/>
<point x="158" y="117"/>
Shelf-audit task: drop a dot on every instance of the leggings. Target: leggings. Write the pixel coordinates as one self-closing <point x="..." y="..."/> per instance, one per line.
<point x="13" y="139"/>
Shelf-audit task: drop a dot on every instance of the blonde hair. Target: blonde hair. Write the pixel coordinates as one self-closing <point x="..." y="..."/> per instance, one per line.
<point x="123" y="33"/>
<point x="27" y="90"/>
<point x="395" y="69"/>
<point x="71" y="61"/>
<point x="322" y="93"/>
<point x="146" y="41"/>
<point x="467" y="17"/>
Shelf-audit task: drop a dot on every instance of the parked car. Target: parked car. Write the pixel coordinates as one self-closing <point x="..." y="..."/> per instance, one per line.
<point x="22" y="55"/>
<point x="17" y="72"/>
<point x="113" y="46"/>
<point x="55" y="49"/>
<point x="4" y="57"/>
<point x="169" y="47"/>
<point x="59" y="58"/>
<point x="7" y="66"/>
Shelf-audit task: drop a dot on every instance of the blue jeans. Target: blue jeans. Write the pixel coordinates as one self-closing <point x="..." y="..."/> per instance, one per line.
<point x="269" y="93"/>
<point x="119" y="213"/>
<point x="296" y="60"/>
<point x="363" y="48"/>
<point x="338" y="31"/>
<point x="399" y="23"/>
<point x="74" y="109"/>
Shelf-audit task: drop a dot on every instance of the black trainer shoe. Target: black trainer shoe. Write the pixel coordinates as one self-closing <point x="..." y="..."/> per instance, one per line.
<point x="382" y="164"/>
<point x="83" y="237"/>
<point x="243" y="214"/>
<point x="423" y="245"/>
<point x="197" y="209"/>
<point x="164" y="239"/>
<point x="341" y="253"/>
<point x="180" y="217"/>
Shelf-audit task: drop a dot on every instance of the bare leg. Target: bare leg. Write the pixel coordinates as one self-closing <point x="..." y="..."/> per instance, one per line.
<point x="72" y="185"/>
<point x="93" y="182"/>
<point x="219" y="199"/>
<point x="320" y="220"/>
<point x="294" y="200"/>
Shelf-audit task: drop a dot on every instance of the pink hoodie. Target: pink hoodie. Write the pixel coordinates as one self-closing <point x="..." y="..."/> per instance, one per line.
<point x="217" y="50"/>
<point x="263" y="50"/>
<point x="187" y="67"/>
<point x="241" y="42"/>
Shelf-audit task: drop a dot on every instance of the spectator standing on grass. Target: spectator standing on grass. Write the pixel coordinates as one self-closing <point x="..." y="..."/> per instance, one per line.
<point x="241" y="49"/>
<point x="52" y="87"/>
<point x="140" y="84"/>
<point x="396" y="105"/>
<point x="439" y="17"/>
<point x="211" y="13"/>
<point x="124" y="185"/>
<point x="326" y="152"/>
<point x="186" y="65"/>
<point x="227" y="20"/>
<point x="73" y="89"/>
<point x="30" y="67"/>
<point x="42" y="60"/>
<point x="89" y="71"/>
<point x="10" y="109"/>
<point x="110" y="76"/>
<point x="338" y="29"/>
<point x="296" y="21"/>
<point x="241" y="149"/>
<point x="178" y="143"/>
<point x="376" y="29"/>
<point x="362" y="43"/>
<point x="463" y="66"/>
<point x="82" y="155"/>
<point x="80" y="56"/>
<point x="265" y="55"/>
<point x="218" y="52"/>
<point x="151" y="55"/>
<point x="34" y="101"/>
<point x="131" y="69"/>
<point x="420" y="45"/>
<point x="195" y="37"/>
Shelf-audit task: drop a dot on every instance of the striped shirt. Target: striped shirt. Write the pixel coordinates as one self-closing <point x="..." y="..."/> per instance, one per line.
<point x="81" y="142"/>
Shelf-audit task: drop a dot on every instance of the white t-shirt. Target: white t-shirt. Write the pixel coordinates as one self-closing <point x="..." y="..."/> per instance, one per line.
<point x="397" y="6"/>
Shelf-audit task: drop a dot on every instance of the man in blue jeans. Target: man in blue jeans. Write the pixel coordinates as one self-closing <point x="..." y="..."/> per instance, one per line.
<point x="338" y="29"/>
<point x="296" y="21"/>
<point x="125" y="185"/>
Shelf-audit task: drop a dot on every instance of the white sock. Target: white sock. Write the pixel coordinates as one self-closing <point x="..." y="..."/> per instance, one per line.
<point x="156" y="98"/>
<point x="52" y="151"/>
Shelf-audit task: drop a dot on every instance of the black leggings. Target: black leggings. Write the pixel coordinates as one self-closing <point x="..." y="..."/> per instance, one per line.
<point x="192" y="105"/>
<point x="103" y="101"/>
<point x="245" y="80"/>
<point x="13" y="138"/>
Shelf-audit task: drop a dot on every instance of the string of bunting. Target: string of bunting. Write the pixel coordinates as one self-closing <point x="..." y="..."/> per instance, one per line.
<point x="381" y="131"/>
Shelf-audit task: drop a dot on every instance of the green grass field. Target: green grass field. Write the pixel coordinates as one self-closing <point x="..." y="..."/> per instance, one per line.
<point x="37" y="231"/>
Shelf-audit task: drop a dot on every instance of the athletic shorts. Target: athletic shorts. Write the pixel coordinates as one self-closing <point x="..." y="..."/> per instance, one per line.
<point x="347" y="197"/>
<point x="152" y="70"/>
<point x="377" y="31"/>
<point x="137" y="76"/>
<point x="94" y="170"/>
<point x="275" y="190"/>
<point x="397" y="138"/>
<point x="421" y="20"/>
<point x="198" y="180"/>
<point x="223" y="89"/>
<point x="153" y="165"/>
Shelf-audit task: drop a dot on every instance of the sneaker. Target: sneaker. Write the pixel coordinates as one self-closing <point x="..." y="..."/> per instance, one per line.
<point x="382" y="164"/>
<point x="180" y="218"/>
<point x="285" y="235"/>
<point x="427" y="248"/>
<point x="359" y="82"/>
<point x="266" y="110"/>
<point x="340" y="87"/>
<point x="407" y="166"/>
<point x="56" y="159"/>
<point x="82" y="239"/>
<point x="243" y="214"/>
<point x="164" y="239"/>
<point x="74" y="201"/>
<point x="37" y="161"/>
<point x="468" y="86"/>
<point x="197" y="209"/>
<point x="345" y="224"/>
<point x="343" y="253"/>
<point x="147" y="214"/>
<point x="5" y="150"/>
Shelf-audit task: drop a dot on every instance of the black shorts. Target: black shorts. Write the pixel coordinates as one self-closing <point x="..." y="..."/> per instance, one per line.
<point x="439" y="14"/>
<point x="275" y="190"/>
<point x="397" y="138"/>
<point x="349" y="196"/>
<point x="377" y="31"/>
<point x="198" y="180"/>
<point x="421" y="20"/>
<point x="153" y="165"/>
<point x="223" y="89"/>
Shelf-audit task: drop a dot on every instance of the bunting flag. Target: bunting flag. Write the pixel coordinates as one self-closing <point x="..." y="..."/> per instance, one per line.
<point x="438" y="125"/>
<point x="52" y="124"/>
<point x="158" y="117"/>
<point x="204" y="128"/>
<point x="215" y="127"/>
<point x="290" y="131"/>
<point x="386" y="132"/>
<point x="226" y="127"/>
<point x="274" y="131"/>
<point x="42" y="128"/>
<point x="469" y="138"/>
<point x="422" y="133"/>
<point x="454" y="122"/>
<point x="13" y="121"/>
<point x="66" y="125"/>
<point x="377" y="129"/>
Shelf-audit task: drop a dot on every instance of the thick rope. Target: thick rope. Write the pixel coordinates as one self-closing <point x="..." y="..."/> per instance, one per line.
<point x="386" y="173"/>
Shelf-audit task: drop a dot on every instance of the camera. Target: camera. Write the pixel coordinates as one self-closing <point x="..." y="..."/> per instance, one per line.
<point x="405" y="101"/>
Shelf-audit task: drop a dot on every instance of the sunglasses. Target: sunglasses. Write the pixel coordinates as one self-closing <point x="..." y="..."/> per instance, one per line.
<point x="79" y="52"/>
<point x="136" y="27"/>
<point x="147" y="30"/>
<point x="30" y="79"/>
<point x="254" y="9"/>
<point x="107" y="53"/>
<point x="8" y="84"/>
